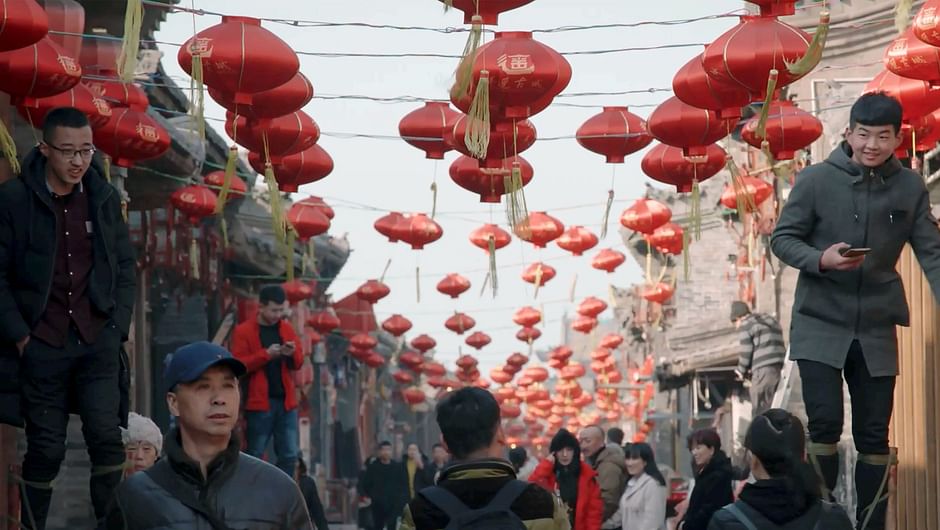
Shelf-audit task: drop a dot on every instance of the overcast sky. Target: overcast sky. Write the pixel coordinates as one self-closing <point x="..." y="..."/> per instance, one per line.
<point x="570" y="182"/>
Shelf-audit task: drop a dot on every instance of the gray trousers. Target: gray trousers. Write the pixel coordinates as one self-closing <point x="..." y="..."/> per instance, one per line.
<point x="764" y="382"/>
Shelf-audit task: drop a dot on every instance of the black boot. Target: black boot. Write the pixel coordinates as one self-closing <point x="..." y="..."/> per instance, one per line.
<point x="34" y="506"/>
<point x="871" y="486"/>
<point x="825" y="460"/>
<point x="102" y="484"/>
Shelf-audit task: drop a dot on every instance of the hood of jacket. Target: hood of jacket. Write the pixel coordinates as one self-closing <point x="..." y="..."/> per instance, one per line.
<point x="841" y="158"/>
<point x="34" y="176"/>
<point x="221" y="467"/>
<point x="773" y="498"/>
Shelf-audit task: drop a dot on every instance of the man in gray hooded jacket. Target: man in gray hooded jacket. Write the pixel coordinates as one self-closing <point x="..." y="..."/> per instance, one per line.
<point x="848" y="302"/>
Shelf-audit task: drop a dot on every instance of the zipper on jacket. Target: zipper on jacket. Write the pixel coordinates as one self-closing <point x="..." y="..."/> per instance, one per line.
<point x="858" y="287"/>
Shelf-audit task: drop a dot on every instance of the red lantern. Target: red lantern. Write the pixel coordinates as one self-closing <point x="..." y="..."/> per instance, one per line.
<point x="499" y="376"/>
<point x="392" y="226"/>
<point x="374" y="360"/>
<point x="422" y="230"/>
<point x="510" y="410"/>
<point x="268" y="104"/>
<point x="611" y="341"/>
<point x="508" y="138"/>
<point x="307" y="220"/>
<point x="751" y="190"/>
<point x="527" y="316"/>
<point x="572" y="371"/>
<point x="659" y="293"/>
<point x="130" y="136"/>
<point x="453" y="285"/>
<point x="295" y="170"/>
<point x="478" y="340"/>
<point x="608" y="260"/>
<point x="424" y="128"/>
<point x="584" y="324"/>
<point x="667" y="238"/>
<point x="434" y="369"/>
<point x="537" y="374"/>
<point x="482" y="236"/>
<point x="489" y="182"/>
<point x="413" y="396"/>
<point x="467" y="362"/>
<point x="917" y="98"/>
<point x="694" y="86"/>
<point x="232" y="67"/>
<point x="423" y="343"/>
<point x="323" y="322"/>
<point x="237" y="186"/>
<point x="360" y="355"/>
<point x="363" y="341"/>
<point x="911" y="57"/>
<point x="528" y="334"/>
<point x="601" y="353"/>
<point x="410" y="358"/>
<point x="789" y="129"/>
<point x="38" y="71"/>
<point x="745" y="54"/>
<point x="615" y="133"/>
<point x="681" y="125"/>
<point x="577" y="240"/>
<point x="668" y="165"/>
<point x="24" y="24"/>
<point x="397" y="325"/>
<point x="195" y="202"/>
<point x="645" y="215"/>
<point x="591" y="307"/>
<point x="487" y="10"/>
<point x="118" y="94"/>
<point x="540" y="229"/>
<point x="460" y="323"/>
<point x="286" y="135"/>
<point x="775" y="8"/>
<point x="538" y="273"/>
<point x="517" y="359"/>
<point x="79" y="96"/>
<point x="372" y="291"/>
<point x="297" y="291"/>
<point x="562" y="353"/>
<point x="926" y="22"/>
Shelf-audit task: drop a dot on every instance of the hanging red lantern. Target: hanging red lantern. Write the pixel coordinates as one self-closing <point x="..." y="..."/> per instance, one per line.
<point x="413" y="396"/>
<point x="396" y="325"/>
<point x="668" y="165"/>
<point x="116" y="93"/>
<point x="79" y="96"/>
<point x="745" y="54"/>
<point x="694" y="86"/>
<point x="508" y="138"/>
<point x="615" y="133"/>
<point x="775" y="8"/>
<point x="517" y="359"/>
<point x="324" y="322"/>
<point x="423" y="343"/>
<point x="410" y="358"/>
<point x="307" y="220"/>
<point x="527" y="316"/>
<point x="667" y="238"/>
<point x="600" y="353"/>
<point x="320" y="205"/>
<point x="363" y="341"/>
<point x="611" y="341"/>
<point x="572" y="371"/>
<point x="608" y="260"/>
<point x="467" y="362"/>
<point x="434" y="369"/>
<point x="478" y="340"/>
<point x="499" y="376"/>
<point x="789" y="129"/>
<point x="453" y="285"/>
<point x="231" y="67"/>
<point x="926" y="22"/>
<point x="372" y="291"/>
<point x="24" y="23"/>
<point x="659" y="293"/>
<point x="297" y="291"/>
<point x="487" y="10"/>
<point x="360" y="355"/>
<point x="195" y="202"/>
<point x="926" y="131"/>
<point x="422" y="230"/>
<point x="584" y="324"/>
<point x="392" y="226"/>
<point x="482" y="236"/>
<point x="537" y="374"/>
<point x="374" y="360"/>
<point x="690" y="128"/>
<point x="286" y="135"/>
<point x="237" y="186"/>
<point x="130" y="136"/>
<point x="538" y="273"/>
<point x="645" y="215"/>
<point x="562" y="353"/>
<point x="528" y="334"/>
<point x="295" y="170"/>
<point x="911" y="57"/>
<point x="424" y="128"/>
<point x="540" y="229"/>
<point x="591" y="307"/>
<point x="750" y="193"/>
<point x="268" y="104"/>
<point x="460" y="323"/>
<point x="917" y="97"/>
<point x="510" y="410"/>
<point x="577" y="240"/>
<point x="38" y="71"/>
<point x="489" y="182"/>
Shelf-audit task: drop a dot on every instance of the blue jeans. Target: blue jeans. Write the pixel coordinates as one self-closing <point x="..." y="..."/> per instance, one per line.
<point x="281" y="424"/>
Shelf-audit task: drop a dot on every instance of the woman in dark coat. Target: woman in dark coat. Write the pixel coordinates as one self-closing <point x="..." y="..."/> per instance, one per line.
<point x="713" y="476"/>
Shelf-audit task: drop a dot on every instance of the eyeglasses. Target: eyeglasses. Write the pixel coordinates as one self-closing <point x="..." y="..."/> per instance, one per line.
<point x="86" y="153"/>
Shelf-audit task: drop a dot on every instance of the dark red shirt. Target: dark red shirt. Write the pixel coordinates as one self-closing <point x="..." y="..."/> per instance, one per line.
<point x="68" y="301"/>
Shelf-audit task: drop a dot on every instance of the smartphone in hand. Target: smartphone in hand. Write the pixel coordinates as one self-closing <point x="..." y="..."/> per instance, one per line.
<point x="854" y="252"/>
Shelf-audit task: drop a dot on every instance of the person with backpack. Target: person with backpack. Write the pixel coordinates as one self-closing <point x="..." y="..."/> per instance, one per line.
<point x="786" y="495"/>
<point x="573" y="480"/>
<point x="478" y="490"/>
<point x="643" y="504"/>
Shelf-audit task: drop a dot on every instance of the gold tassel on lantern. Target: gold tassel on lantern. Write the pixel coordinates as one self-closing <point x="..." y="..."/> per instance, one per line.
<point x="610" y="203"/>
<point x="289" y="250"/>
<point x="574" y="285"/>
<point x="223" y="227"/>
<point x="491" y="250"/>
<point x="106" y="162"/>
<point x="418" y="284"/>
<point x="8" y="146"/>
<point x="649" y="261"/>
<point x="902" y="14"/>
<point x="516" y="210"/>
<point x="538" y="280"/>
<point x="277" y="213"/>
<point x="385" y="270"/>
<point x="130" y="46"/>
<point x="230" y="162"/>
<point x="686" y="259"/>
<point x="198" y="90"/>
<point x="814" y="53"/>
<point x="695" y="210"/>
<point x="761" y="129"/>
<point x="477" y="137"/>
<point x="194" y="257"/>
<point x="310" y="257"/>
<point x="465" y="67"/>
<point x="434" y="199"/>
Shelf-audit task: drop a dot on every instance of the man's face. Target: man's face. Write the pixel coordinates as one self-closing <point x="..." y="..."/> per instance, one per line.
<point x="208" y="406"/>
<point x="140" y="456"/>
<point x="440" y="455"/>
<point x="272" y="312"/>
<point x="385" y="453"/>
<point x="591" y="441"/>
<point x="65" y="141"/>
<point x="872" y="145"/>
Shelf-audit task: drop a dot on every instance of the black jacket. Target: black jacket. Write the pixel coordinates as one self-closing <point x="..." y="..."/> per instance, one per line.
<point x="769" y="505"/>
<point x="712" y="491"/>
<point x="242" y="491"/>
<point x="27" y="258"/>
<point x="385" y="485"/>
<point x="308" y="487"/>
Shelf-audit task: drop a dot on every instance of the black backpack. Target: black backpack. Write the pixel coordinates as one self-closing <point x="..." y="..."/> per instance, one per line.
<point x="497" y="515"/>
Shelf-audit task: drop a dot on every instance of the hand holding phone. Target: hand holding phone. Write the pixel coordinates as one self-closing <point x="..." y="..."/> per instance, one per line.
<point x="854" y="252"/>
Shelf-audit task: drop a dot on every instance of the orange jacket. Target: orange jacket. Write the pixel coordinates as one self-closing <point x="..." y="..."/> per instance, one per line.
<point x="246" y="347"/>
<point x="590" y="508"/>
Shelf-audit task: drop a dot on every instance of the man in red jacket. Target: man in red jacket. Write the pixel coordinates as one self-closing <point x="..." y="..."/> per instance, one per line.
<point x="269" y="348"/>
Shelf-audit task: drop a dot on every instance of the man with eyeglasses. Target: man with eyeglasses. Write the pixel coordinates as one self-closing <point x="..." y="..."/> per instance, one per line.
<point x="66" y="299"/>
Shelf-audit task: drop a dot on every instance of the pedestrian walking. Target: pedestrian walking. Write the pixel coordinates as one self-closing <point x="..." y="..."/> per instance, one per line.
<point x="643" y="504"/>
<point x="204" y="481"/>
<point x="713" y="475"/>
<point x="786" y="494"/>
<point x="415" y="468"/>
<point x="143" y="443"/>
<point x="439" y="459"/>
<point x="607" y="460"/>
<point x="479" y="489"/>
<point x="761" y="353"/>
<point x="572" y="480"/>
<point x="67" y="277"/>
<point x="849" y="299"/>
<point x="382" y="483"/>
<point x="308" y="488"/>
<point x="269" y="348"/>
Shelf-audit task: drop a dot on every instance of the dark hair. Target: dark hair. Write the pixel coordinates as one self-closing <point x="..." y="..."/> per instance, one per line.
<point x="301" y="466"/>
<point x="644" y="452"/>
<point x="615" y="435"/>
<point x="707" y="437"/>
<point x="385" y="443"/>
<point x="69" y="117"/>
<point x="468" y="419"/>
<point x="876" y="108"/>
<point x="777" y="439"/>
<point x="435" y="446"/>
<point x="272" y="293"/>
<point x="517" y="457"/>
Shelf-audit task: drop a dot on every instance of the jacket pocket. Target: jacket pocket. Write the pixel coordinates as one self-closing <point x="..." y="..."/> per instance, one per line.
<point x="826" y="300"/>
<point x="884" y="304"/>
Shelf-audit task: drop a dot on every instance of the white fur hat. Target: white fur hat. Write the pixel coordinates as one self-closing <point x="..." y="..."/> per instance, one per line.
<point x="142" y="429"/>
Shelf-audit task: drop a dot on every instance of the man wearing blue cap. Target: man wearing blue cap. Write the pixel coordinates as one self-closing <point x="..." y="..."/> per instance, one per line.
<point x="204" y="478"/>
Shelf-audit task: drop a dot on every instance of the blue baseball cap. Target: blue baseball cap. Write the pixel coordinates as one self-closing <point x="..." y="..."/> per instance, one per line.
<point x="190" y="361"/>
